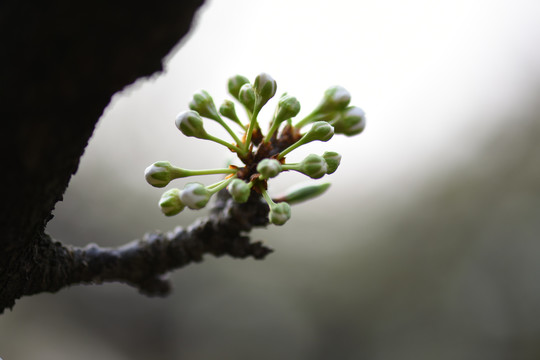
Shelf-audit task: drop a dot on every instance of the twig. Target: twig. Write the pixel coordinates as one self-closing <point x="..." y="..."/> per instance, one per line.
<point x="144" y="263"/>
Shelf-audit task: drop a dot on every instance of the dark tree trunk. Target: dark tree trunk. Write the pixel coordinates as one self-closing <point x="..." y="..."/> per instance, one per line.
<point x="61" y="63"/>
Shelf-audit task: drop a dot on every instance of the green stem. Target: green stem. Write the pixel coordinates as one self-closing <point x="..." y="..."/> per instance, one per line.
<point x="209" y="172"/>
<point x="291" y="166"/>
<point x="291" y="148"/>
<point x="306" y="120"/>
<point x="267" y="198"/>
<point x="252" y="124"/>
<point x="237" y="121"/>
<point x="229" y="130"/>
<point x="273" y="129"/>
<point x="214" y="188"/>
<point x="224" y="143"/>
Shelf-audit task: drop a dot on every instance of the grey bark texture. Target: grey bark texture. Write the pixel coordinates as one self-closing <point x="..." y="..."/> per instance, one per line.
<point x="61" y="61"/>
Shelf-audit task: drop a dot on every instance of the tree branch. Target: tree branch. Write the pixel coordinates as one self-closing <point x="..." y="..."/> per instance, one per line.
<point x="140" y="263"/>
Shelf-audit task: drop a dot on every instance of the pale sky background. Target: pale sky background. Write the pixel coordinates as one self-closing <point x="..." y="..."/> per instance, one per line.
<point x="435" y="78"/>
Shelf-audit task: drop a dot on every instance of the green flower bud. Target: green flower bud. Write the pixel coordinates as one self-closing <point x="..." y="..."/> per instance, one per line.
<point x="170" y="202"/>
<point x="313" y="166"/>
<point x="195" y="196"/>
<point x="304" y="192"/>
<point x="280" y="213"/>
<point x="269" y="168"/>
<point x="321" y="130"/>
<point x="333" y="160"/>
<point x="190" y="123"/>
<point x="227" y="109"/>
<point x="335" y="98"/>
<point x="203" y="103"/>
<point x="239" y="190"/>
<point x="287" y="108"/>
<point x="265" y="88"/>
<point x="246" y="96"/>
<point x="351" y="121"/>
<point x="160" y="173"/>
<point x="235" y="83"/>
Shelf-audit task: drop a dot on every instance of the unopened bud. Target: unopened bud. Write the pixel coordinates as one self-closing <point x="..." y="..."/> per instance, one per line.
<point x="190" y="123"/>
<point x="313" y="166"/>
<point x="287" y="108"/>
<point x="170" y="202"/>
<point x="280" y="213"/>
<point x="227" y="109"/>
<point x="203" y="103"/>
<point x="333" y="159"/>
<point x="321" y="130"/>
<point x="239" y="190"/>
<point x="160" y="173"/>
<point x="235" y="83"/>
<point x="246" y="96"/>
<point x="335" y="98"/>
<point x="195" y="196"/>
<point x="269" y="168"/>
<point x="351" y="121"/>
<point x="265" y="88"/>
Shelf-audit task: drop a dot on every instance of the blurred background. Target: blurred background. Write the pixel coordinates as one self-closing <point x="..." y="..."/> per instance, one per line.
<point x="427" y="245"/>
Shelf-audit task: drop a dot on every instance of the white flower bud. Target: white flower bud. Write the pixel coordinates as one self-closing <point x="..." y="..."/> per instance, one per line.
<point x="235" y="83"/>
<point x="239" y="190"/>
<point x="351" y="121"/>
<point x="269" y="168"/>
<point x="203" y="103"/>
<point x="170" y="202"/>
<point x="321" y="130"/>
<point x="246" y="96"/>
<point x="265" y="88"/>
<point x="288" y="107"/>
<point x="314" y="166"/>
<point x="190" y="123"/>
<point x="227" y="109"/>
<point x="160" y="173"/>
<point x="335" y="98"/>
<point x="333" y="159"/>
<point x="280" y="213"/>
<point x="195" y="196"/>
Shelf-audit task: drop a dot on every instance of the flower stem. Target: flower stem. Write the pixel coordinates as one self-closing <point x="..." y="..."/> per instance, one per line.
<point x="306" y="120"/>
<point x="251" y="127"/>
<point x="291" y="148"/>
<point x="210" y="171"/>
<point x="229" y="130"/>
<point x="273" y="128"/>
<point x="267" y="197"/>
<point x="224" y="143"/>
<point x="295" y="166"/>
<point x="214" y="188"/>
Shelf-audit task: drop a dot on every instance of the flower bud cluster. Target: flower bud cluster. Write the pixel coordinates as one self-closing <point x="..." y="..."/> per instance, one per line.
<point x="263" y="156"/>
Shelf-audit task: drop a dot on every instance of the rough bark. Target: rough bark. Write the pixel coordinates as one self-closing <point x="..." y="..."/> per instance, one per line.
<point x="61" y="61"/>
<point x="49" y="265"/>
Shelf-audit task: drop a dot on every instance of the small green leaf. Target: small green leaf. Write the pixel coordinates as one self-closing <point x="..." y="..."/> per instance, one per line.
<point x="304" y="192"/>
